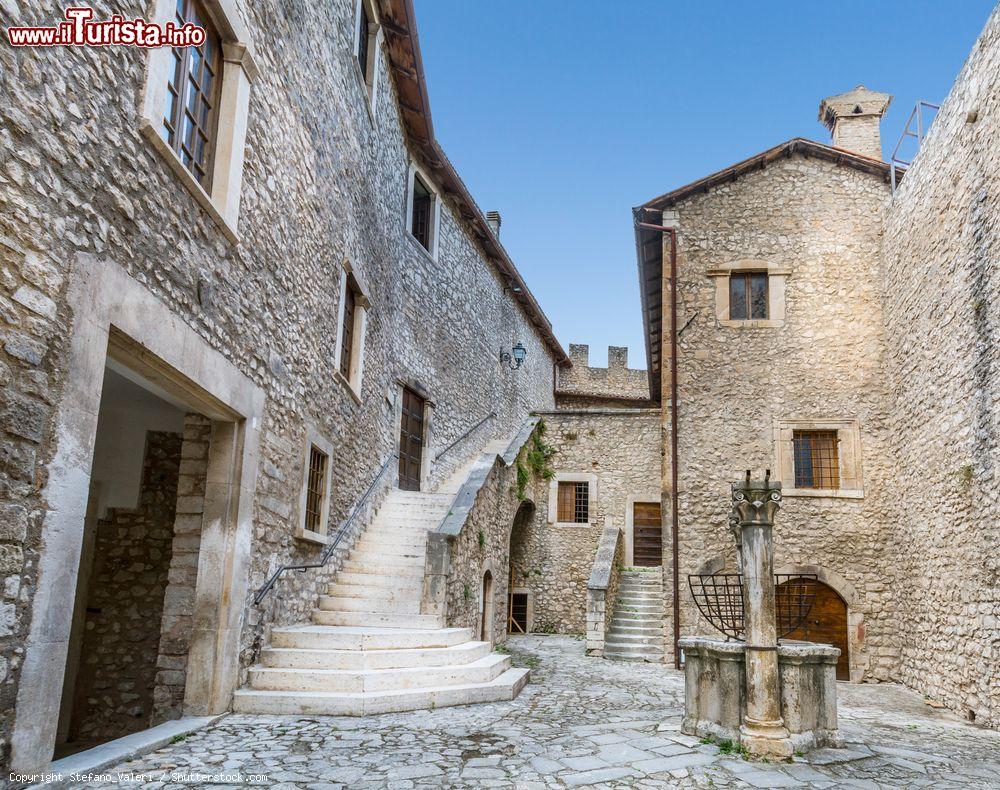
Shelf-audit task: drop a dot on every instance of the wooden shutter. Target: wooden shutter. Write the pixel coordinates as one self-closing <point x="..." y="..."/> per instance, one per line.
<point x="567" y="502"/>
<point x="347" y="331"/>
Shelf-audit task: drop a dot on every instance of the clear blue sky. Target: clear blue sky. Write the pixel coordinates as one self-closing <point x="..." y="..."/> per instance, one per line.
<point x="564" y="114"/>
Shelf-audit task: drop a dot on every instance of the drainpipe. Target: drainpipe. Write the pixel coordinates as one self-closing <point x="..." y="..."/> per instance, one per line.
<point x="671" y="233"/>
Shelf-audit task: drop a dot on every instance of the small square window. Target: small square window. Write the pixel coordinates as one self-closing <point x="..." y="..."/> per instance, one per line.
<point x="316" y="484"/>
<point x="421" y="218"/>
<point x="574" y="502"/>
<point x="748" y="296"/>
<point x="816" y="459"/>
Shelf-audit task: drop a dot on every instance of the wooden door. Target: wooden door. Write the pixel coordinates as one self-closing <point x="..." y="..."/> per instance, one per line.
<point x="827" y="624"/>
<point x="647" y="535"/>
<point x="411" y="440"/>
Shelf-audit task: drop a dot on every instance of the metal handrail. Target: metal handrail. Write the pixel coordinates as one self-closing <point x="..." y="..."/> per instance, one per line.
<point x="896" y="163"/>
<point x="331" y="547"/>
<point x="489" y="416"/>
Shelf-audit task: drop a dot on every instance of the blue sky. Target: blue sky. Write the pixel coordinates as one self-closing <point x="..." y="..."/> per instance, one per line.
<point x="563" y="115"/>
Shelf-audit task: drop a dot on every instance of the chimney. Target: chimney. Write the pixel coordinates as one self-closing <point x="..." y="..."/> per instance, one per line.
<point x="854" y="118"/>
<point x="493" y="220"/>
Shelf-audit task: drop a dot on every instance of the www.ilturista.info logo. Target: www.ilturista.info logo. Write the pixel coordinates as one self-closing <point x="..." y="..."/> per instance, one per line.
<point x="80" y="31"/>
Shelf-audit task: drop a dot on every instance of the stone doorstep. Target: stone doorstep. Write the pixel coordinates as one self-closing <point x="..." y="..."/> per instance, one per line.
<point x="128" y="748"/>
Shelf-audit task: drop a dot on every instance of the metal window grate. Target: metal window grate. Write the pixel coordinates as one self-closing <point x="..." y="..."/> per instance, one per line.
<point x="817" y="462"/>
<point x="748" y="296"/>
<point x="581" y="503"/>
<point x="315" y="490"/>
<point x="189" y="121"/>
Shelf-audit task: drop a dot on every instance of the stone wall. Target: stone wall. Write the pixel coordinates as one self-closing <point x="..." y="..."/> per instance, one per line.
<point x="940" y="252"/>
<point x="819" y="222"/>
<point x="324" y="181"/>
<point x="554" y="561"/>
<point x="114" y="688"/>
<point x="579" y="385"/>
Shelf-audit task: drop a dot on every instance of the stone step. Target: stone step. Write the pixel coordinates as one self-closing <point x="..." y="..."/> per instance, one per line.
<point x="324" y="637"/>
<point x="482" y="670"/>
<point x="376" y="619"/>
<point x="637" y="640"/>
<point x="639" y="606"/>
<point x="653" y="658"/>
<point x="378" y="578"/>
<point x="358" y="659"/>
<point x="504" y="687"/>
<point x="393" y="544"/>
<point x="632" y="649"/>
<point x="383" y="568"/>
<point x="372" y="556"/>
<point x="638" y="629"/>
<point x="651" y="617"/>
<point x="332" y="603"/>
<point x="399" y="591"/>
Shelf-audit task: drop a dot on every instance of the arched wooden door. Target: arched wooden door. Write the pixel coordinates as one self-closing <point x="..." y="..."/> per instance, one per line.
<point x="827" y="624"/>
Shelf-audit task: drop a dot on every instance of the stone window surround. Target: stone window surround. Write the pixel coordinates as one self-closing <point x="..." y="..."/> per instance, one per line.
<point x="777" y="275"/>
<point x="315" y="439"/>
<point x="368" y="81"/>
<point x="239" y="71"/>
<point x="652" y="498"/>
<point x="848" y="456"/>
<point x="352" y="382"/>
<point x="572" y="477"/>
<point x="108" y="305"/>
<point x="435" y="223"/>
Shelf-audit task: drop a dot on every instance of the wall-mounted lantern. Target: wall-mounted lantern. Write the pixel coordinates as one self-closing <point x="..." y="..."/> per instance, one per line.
<point x="515" y="357"/>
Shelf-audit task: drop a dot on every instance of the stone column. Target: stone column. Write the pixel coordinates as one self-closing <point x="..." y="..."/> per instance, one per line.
<point x="755" y="503"/>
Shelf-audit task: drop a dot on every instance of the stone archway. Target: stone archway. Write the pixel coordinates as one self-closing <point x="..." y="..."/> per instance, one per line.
<point x="856" y="662"/>
<point x="519" y="605"/>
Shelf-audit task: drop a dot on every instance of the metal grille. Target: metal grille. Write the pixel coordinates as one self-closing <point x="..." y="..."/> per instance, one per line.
<point x="748" y="296"/>
<point x="719" y="598"/>
<point x="581" y="503"/>
<point x="189" y="120"/>
<point x="817" y="464"/>
<point x="315" y="490"/>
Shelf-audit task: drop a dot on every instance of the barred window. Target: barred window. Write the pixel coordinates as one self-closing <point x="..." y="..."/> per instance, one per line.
<point x="189" y="121"/>
<point x="748" y="296"/>
<point x="574" y="502"/>
<point x="316" y="490"/>
<point x="420" y="225"/>
<point x="816" y="459"/>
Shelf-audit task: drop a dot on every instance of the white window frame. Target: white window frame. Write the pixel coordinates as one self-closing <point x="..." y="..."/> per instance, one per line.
<point x="315" y="439"/>
<point x="435" y="223"/>
<point x="239" y="71"/>
<point x="848" y="457"/>
<point x="777" y="277"/>
<point x="369" y="77"/>
<point x="573" y="477"/>
<point x="352" y="382"/>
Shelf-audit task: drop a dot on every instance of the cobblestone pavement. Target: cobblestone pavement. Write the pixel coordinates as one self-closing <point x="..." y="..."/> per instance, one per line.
<point x="580" y="722"/>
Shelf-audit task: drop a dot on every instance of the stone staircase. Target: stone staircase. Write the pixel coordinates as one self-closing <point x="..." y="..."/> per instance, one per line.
<point x="636" y="632"/>
<point x="369" y="649"/>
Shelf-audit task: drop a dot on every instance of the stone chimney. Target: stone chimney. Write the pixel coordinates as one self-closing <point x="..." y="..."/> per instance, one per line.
<point x="854" y="118"/>
<point x="493" y="220"/>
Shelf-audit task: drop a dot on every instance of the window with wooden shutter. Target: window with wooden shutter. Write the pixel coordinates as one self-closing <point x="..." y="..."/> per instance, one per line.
<point x="748" y="296"/>
<point x="189" y="120"/>
<point x="574" y="502"/>
<point x="420" y="225"/>
<point x="347" y="337"/>
<point x="316" y="490"/>
<point x="816" y="459"/>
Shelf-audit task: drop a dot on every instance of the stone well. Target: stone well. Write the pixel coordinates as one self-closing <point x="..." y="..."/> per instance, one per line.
<point x="715" y="691"/>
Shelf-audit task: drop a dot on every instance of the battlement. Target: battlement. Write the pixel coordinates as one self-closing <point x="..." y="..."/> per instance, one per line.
<point x="617" y="380"/>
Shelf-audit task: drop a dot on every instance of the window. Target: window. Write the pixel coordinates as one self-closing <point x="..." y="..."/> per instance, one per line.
<point x="817" y="463"/>
<point x="420" y="221"/>
<point x="366" y="47"/>
<point x="347" y="330"/>
<point x="364" y="32"/>
<point x="748" y="296"/>
<point x="190" y="115"/>
<point x="316" y="491"/>
<point x="574" y="502"/>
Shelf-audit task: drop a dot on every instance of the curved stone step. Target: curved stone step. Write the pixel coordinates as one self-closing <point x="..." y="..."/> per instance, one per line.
<point x="405" y="605"/>
<point x="356" y="659"/>
<point x="376" y="619"/>
<point x="374" y="581"/>
<point x="504" y="687"/>
<point x="386" y="567"/>
<point x="325" y="637"/>
<point x="482" y="670"/>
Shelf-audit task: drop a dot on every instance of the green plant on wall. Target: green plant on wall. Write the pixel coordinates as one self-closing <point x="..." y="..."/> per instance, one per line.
<point x="536" y="460"/>
<point x="482" y="539"/>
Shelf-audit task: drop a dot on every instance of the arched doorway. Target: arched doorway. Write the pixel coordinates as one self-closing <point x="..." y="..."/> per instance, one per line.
<point x="486" y="616"/>
<point x="827" y="624"/>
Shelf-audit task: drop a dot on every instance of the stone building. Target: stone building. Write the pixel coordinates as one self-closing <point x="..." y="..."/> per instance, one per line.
<point x="268" y="326"/>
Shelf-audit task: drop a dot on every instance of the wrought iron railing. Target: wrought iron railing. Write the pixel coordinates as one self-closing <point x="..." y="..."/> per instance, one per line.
<point x="465" y="435"/>
<point x="898" y="165"/>
<point x="719" y="598"/>
<point x="261" y="594"/>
